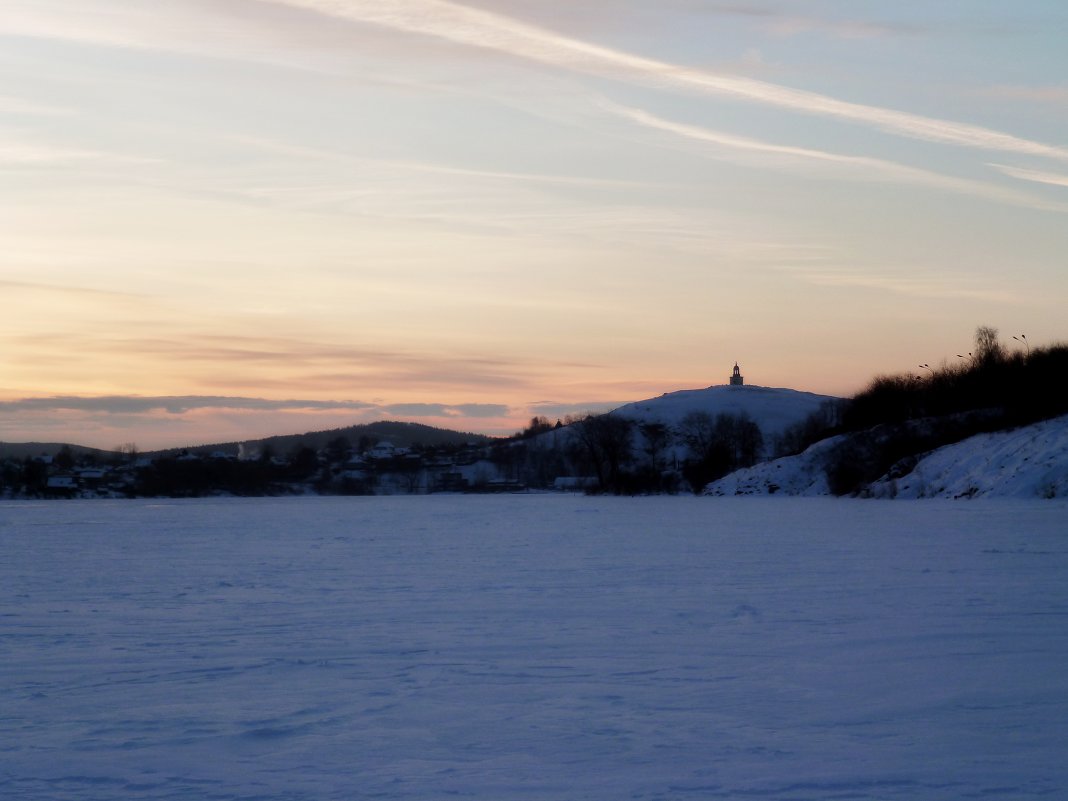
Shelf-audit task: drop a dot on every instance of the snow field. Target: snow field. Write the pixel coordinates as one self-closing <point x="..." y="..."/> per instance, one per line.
<point x="533" y="647"/>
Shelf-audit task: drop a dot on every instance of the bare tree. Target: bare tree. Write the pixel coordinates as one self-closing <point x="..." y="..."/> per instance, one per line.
<point x="698" y="430"/>
<point x="717" y="445"/>
<point x="988" y="349"/>
<point x="605" y="441"/>
<point x="657" y="436"/>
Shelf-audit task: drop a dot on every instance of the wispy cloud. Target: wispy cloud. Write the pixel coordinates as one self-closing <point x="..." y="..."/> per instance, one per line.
<point x="17" y="106"/>
<point x="33" y="286"/>
<point x="949" y="287"/>
<point x="858" y="167"/>
<point x="24" y="147"/>
<point x="783" y="24"/>
<point x="483" y="29"/>
<point x="26" y="153"/>
<point x="298" y="151"/>
<point x="269" y="364"/>
<point x="460" y="24"/>
<point x="1054" y="179"/>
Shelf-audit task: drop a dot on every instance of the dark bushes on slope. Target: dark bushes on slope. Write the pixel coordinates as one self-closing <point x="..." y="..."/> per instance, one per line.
<point x="897" y="417"/>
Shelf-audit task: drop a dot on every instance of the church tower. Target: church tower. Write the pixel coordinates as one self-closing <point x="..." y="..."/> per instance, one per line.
<point x="736" y="377"/>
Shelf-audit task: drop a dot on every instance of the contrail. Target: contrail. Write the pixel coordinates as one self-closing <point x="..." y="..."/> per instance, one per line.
<point x="862" y="166"/>
<point x="484" y="29"/>
<point x="1053" y="179"/>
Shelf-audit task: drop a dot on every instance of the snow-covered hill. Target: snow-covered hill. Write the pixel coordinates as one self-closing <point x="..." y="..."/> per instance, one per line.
<point x="773" y="409"/>
<point x="1027" y="462"/>
<point x="671" y="459"/>
<point x="801" y="475"/>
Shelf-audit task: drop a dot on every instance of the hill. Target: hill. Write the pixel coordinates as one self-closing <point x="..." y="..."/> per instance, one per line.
<point x="404" y="435"/>
<point x="684" y="438"/>
<point x="21" y="450"/>
<point x="773" y="409"/>
<point x="1025" y="462"/>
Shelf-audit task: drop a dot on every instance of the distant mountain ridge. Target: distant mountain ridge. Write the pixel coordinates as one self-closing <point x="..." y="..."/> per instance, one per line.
<point x="22" y="450"/>
<point x="401" y="434"/>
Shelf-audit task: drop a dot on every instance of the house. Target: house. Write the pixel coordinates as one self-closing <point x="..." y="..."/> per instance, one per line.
<point x="91" y="478"/>
<point x="61" y="486"/>
<point x="383" y="450"/>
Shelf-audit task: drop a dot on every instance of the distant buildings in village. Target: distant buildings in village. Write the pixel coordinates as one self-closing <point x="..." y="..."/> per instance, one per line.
<point x="383" y="468"/>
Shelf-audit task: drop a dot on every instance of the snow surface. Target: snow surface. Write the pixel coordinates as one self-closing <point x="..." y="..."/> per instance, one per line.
<point x="1027" y="462"/>
<point x="772" y="408"/>
<point x="800" y="475"/>
<point x="533" y="647"/>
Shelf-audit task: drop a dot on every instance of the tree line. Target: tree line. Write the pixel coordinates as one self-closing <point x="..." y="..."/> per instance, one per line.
<point x="897" y="418"/>
<point x="621" y="456"/>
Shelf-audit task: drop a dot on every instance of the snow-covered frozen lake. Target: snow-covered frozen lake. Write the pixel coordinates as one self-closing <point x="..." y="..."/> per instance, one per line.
<point x="533" y="647"/>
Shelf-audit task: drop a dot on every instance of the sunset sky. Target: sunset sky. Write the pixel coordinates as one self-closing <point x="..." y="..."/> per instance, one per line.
<point x="221" y="219"/>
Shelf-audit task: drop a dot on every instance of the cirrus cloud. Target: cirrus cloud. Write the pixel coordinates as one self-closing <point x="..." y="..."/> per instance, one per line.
<point x="473" y="27"/>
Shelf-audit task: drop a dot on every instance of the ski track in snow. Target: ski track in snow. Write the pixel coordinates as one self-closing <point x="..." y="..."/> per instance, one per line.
<point x="533" y="647"/>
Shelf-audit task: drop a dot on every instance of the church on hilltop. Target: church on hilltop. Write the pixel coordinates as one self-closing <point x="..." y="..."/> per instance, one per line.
<point x="736" y="377"/>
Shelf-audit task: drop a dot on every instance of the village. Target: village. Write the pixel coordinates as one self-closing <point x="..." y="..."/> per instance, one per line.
<point x="337" y="469"/>
<point x="655" y="446"/>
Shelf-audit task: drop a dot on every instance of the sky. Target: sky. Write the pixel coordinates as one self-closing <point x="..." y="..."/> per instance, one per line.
<point x="224" y="219"/>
